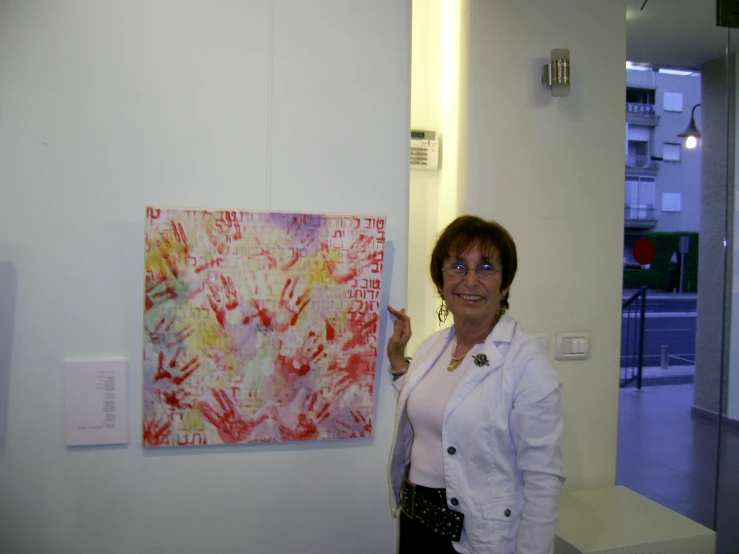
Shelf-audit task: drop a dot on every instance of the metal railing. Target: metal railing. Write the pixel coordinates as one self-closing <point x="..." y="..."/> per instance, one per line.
<point x="640" y="216"/>
<point x="640" y="211"/>
<point x="641" y="160"/>
<point x="636" y="108"/>
<point x="641" y="114"/>
<point x="633" y="317"/>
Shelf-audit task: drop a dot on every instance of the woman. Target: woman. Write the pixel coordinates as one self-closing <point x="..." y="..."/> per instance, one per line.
<point x="475" y="465"/>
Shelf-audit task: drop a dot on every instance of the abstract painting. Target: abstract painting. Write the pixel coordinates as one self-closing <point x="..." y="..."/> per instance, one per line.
<point x="259" y="326"/>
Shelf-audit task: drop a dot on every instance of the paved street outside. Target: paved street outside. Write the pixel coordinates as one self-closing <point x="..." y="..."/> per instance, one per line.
<point x="670" y="320"/>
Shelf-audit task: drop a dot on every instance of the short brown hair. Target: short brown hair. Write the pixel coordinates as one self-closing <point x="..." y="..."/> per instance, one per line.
<point x="469" y="230"/>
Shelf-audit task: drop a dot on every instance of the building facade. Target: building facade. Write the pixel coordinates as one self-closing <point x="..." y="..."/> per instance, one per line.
<point x="662" y="191"/>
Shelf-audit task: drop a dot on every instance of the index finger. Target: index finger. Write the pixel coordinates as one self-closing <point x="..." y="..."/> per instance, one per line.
<point x="400" y="314"/>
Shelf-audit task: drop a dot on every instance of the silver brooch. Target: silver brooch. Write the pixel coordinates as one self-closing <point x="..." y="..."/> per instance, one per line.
<point x="480" y="360"/>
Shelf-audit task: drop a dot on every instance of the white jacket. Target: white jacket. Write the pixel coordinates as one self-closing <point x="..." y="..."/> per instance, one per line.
<point x="504" y="423"/>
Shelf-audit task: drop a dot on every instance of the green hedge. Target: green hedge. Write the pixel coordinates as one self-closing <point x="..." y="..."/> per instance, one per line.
<point x="662" y="274"/>
<point x="636" y="278"/>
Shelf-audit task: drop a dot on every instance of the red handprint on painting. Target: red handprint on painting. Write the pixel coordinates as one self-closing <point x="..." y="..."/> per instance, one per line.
<point x="178" y="374"/>
<point x="224" y="231"/>
<point x="363" y="421"/>
<point x="162" y="333"/>
<point x="292" y="303"/>
<point x="223" y="297"/>
<point x="307" y="357"/>
<point x="172" y="249"/>
<point x="232" y="426"/>
<point x="166" y="260"/>
<point x="159" y="289"/>
<point x="360" y="255"/>
<point x="229" y="223"/>
<point x="357" y="373"/>
<point x="356" y="427"/>
<point x="362" y="333"/>
<point x="176" y="399"/>
<point x="156" y="434"/>
<point x="305" y="430"/>
<point x="305" y="427"/>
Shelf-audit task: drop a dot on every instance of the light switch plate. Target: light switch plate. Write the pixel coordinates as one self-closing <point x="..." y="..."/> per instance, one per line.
<point x="572" y="346"/>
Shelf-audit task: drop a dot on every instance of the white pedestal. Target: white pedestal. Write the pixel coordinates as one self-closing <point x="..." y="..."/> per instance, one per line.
<point x="616" y="520"/>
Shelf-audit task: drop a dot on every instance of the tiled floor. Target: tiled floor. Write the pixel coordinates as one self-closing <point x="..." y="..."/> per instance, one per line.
<point x="666" y="454"/>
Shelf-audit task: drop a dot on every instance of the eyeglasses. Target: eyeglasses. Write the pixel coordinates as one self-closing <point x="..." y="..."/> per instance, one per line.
<point x="485" y="271"/>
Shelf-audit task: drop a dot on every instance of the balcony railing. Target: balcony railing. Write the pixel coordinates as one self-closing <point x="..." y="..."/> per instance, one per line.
<point x="642" y="162"/>
<point x="638" y="160"/>
<point x="645" y="109"/>
<point x="643" y="114"/>
<point x="640" y="216"/>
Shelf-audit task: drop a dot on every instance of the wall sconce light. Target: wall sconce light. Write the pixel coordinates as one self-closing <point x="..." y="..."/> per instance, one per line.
<point x="691" y="134"/>
<point x="556" y="74"/>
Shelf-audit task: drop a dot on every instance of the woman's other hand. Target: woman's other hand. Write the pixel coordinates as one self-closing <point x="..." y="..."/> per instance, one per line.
<point x="399" y="340"/>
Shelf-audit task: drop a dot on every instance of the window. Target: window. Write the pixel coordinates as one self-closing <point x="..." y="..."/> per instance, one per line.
<point x="641" y="196"/>
<point x="637" y="154"/>
<point x="639" y="132"/>
<point x="673" y="101"/>
<point x="639" y="95"/>
<point x="671" y="201"/>
<point x="671" y="152"/>
<point x="639" y="145"/>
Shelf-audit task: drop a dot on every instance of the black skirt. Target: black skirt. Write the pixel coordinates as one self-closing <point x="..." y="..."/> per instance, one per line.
<point x="417" y="539"/>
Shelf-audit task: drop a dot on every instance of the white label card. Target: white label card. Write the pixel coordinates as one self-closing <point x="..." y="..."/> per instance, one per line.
<point x="95" y="402"/>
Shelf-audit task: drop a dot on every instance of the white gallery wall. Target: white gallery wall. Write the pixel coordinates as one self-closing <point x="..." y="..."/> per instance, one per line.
<point x="550" y="169"/>
<point x="107" y="107"/>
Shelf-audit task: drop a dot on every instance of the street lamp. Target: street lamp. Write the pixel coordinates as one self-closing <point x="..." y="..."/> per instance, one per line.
<point x="691" y="133"/>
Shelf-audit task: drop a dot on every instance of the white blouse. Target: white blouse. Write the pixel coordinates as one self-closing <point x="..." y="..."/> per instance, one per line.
<point x="426" y="407"/>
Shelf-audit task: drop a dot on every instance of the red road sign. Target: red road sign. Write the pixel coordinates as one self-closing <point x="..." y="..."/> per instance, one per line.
<point x="644" y="251"/>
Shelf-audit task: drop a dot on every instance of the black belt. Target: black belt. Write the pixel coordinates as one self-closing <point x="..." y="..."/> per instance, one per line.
<point x="428" y="507"/>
